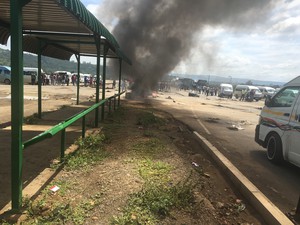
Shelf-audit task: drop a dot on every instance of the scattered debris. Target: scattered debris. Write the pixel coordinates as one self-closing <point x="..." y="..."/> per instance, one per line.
<point x="195" y="164"/>
<point x="54" y="188"/>
<point x="212" y="120"/>
<point x="240" y="205"/>
<point x="170" y="98"/>
<point x="154" y="95"/>
<point x="180" y="128"/>
<point x="245" y="122"/>
<point x="207" y="175"/>
<point x="235" y="127"/>
<point x="193" y="94"/>
<point x="220" y="205"/>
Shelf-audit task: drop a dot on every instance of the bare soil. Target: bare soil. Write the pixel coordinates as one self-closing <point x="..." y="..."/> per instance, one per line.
<point x="117" y="177"/>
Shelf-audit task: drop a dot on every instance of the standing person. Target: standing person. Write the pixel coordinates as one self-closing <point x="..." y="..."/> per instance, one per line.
<point x="33" y="78"/>
<point x="85" y="80"/>
<point x="91" y="80"/>
<point x="251" y="95"/>
<point x="67" y="79"/>
<point x="207" y="91"/>
<point x="52" y="79"/>
<point x="114" y="84"/>
<point x="73" y="78"/>
<point x="243" y="95"/>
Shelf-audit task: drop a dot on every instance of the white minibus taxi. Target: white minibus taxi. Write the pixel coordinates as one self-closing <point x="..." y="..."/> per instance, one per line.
<point x="278" y="129"/>
<point x="226" y="90"/>
<point x="31" y="75"/>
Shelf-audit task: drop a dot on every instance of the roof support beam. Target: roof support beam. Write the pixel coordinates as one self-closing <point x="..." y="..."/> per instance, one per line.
<point x="98" y="47"/>
<point x="78" y="76"/>
<point x="40" y="48"/>
<point x="25" y="2"/>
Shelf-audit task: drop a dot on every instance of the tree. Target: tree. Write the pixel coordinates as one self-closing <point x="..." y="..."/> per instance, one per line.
<point x="249" y="82"/>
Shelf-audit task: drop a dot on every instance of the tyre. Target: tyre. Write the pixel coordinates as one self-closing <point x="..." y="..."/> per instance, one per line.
<point x="274" y="148"/>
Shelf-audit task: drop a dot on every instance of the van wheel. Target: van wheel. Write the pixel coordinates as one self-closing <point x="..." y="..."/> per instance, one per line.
<point x="274" y="148"/>
<point x="6" y="81"/>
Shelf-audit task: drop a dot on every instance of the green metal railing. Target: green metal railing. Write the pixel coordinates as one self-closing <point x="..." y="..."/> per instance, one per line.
<point x="63" y="125"/>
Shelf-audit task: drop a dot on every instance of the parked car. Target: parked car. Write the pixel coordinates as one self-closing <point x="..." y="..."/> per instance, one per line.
<point x="278" y="129"/>
<point x="5" y="74"/>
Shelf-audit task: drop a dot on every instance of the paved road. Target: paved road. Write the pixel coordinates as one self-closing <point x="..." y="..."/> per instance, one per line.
<point x="216" y="119"/>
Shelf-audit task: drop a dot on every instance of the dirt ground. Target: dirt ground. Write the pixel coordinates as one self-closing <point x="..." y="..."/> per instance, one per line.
<point x="215" y="200"/>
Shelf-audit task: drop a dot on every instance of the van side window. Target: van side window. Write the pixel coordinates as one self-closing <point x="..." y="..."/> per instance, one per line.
<point x="6" y="72"/>
<point x="285" y="98"/>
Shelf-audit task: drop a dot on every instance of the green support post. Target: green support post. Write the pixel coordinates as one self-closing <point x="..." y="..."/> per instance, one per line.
<point x="120" y="80"/>
<point x="17" y="103"/>
<point x="39" y="82"/>
<point x="104" y="81"/>
<point x="78" y="77"/>
<point x="109" y="106"/>
<point x="62" y="145"/>
<point x="98" y="42"/>
<point x="115" y="103"/>
<point x="83" y="127"/>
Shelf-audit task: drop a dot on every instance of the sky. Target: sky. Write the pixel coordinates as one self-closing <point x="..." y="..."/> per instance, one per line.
<point x="269" y="50"/>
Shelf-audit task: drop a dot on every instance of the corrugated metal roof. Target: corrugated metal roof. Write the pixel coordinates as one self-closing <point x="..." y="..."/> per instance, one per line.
<point x="64" y="46"/>
<point x="66" y="16"/>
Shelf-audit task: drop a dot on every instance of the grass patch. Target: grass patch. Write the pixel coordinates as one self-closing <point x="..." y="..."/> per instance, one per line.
<point x="90" y="151"/>
<point x="155" y="201"/>
<point x="154" y="172"/>
<point x="148" y="119"/>
<point x="148" y="147"/>
<point x="61" y="208"/>
<point x="157" y="197"/>
<point x="60" y="212"/>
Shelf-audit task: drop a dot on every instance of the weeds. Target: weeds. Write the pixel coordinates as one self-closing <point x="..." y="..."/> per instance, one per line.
<point x="155" y="201"/>
<point x="152" y="171"/>
<point x="147" y="119"/>
<point x="148" y="147"/>
<point x="90" y="152"/>
<point x="93" y="141"/>
<point x="60" y="212"/>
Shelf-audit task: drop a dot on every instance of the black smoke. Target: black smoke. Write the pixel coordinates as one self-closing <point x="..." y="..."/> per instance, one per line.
<point x="158" y="34"/>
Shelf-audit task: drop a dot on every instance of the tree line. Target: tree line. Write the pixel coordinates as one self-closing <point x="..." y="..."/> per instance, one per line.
<point x="50" y="65"/>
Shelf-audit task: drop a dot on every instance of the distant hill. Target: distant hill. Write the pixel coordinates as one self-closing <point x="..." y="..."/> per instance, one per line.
<point x="50" y="65"/>
<point x="218" y="79"/>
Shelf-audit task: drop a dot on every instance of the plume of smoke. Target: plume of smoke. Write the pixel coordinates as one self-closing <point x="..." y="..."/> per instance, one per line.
<point x="158" y="34"/>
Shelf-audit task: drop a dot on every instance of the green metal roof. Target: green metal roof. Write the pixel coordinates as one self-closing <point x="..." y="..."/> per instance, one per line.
<point x="59" y="16"/>
<point x="78" y="9"/>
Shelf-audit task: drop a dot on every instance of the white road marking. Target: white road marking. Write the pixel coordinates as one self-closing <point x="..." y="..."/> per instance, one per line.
<point x="199" y="121"/>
